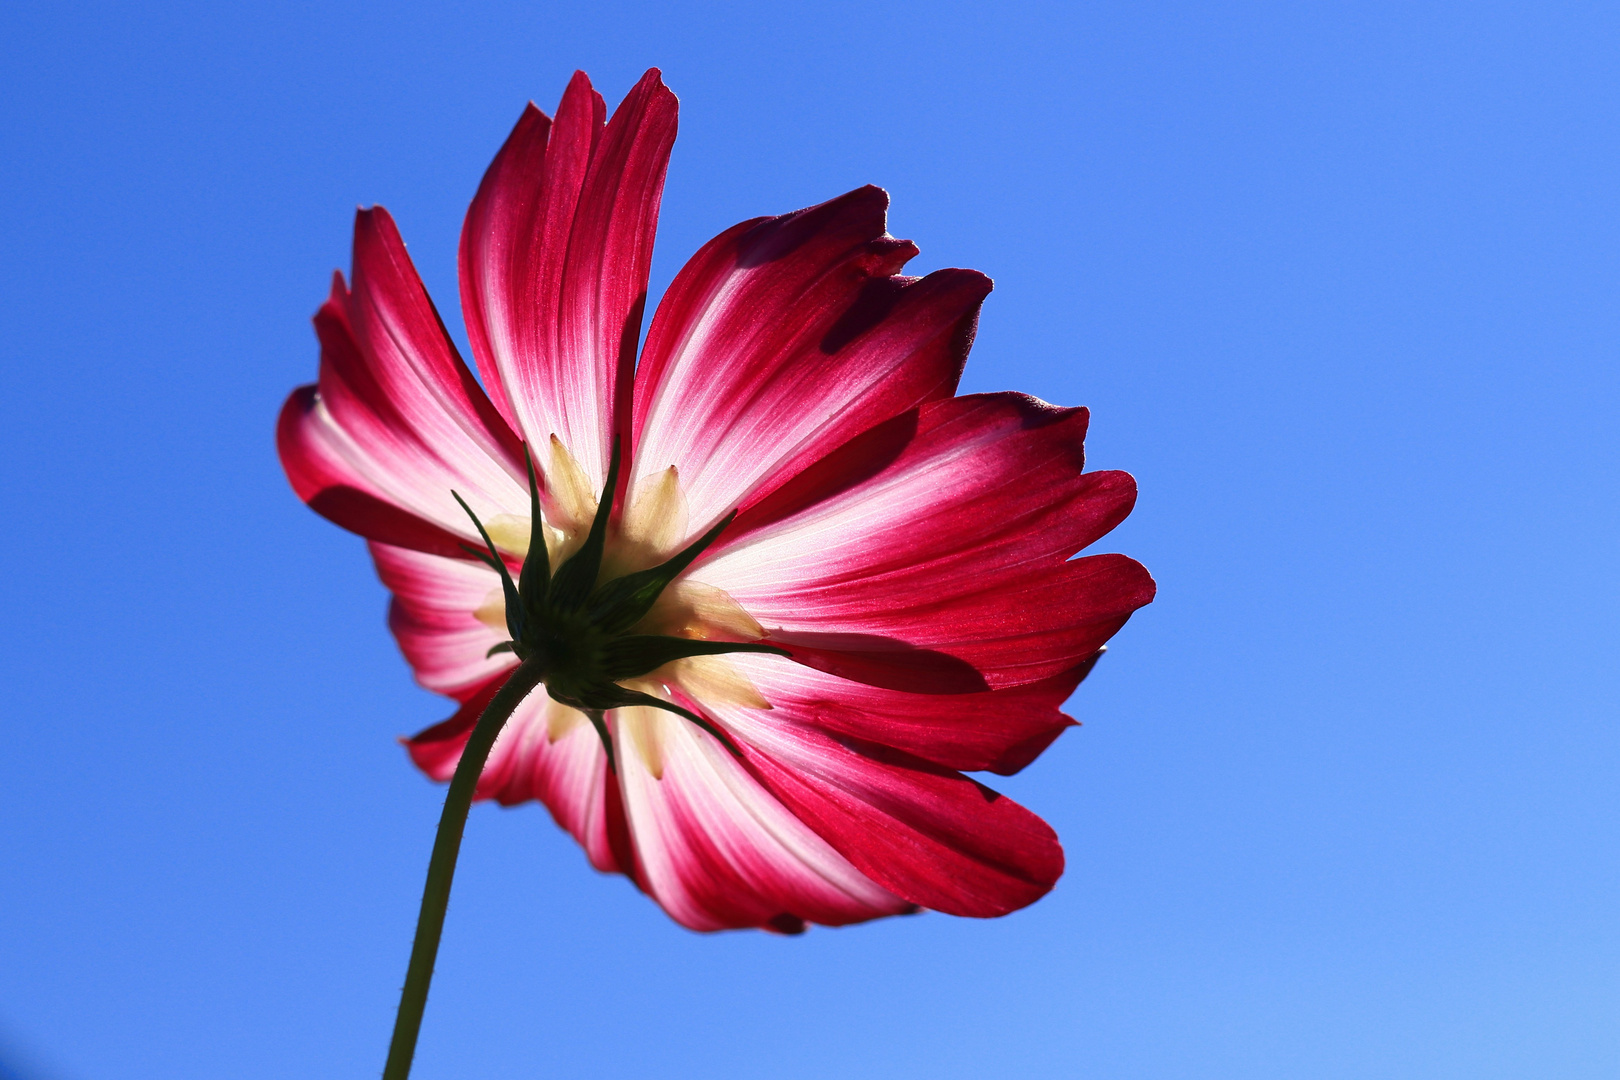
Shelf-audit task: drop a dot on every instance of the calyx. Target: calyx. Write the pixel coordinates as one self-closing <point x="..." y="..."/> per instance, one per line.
<point x="577" y="628"/>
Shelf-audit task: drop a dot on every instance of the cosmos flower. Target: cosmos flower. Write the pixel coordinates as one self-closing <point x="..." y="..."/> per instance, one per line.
<point x="850" y="586"/>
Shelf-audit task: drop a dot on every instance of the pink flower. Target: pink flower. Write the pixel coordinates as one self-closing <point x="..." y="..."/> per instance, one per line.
<point x="909" y="550"/>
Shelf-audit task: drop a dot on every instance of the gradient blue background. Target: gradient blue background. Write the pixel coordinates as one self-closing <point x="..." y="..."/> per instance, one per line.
<point x="1339" y="283"/>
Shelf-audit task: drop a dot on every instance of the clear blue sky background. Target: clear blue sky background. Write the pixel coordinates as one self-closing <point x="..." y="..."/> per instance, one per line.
<point x="1339" y="283"/>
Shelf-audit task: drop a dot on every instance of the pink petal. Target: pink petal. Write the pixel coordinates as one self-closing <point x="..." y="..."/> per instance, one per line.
<point x="783" y="338"/>
<point x="569" y="775"/>
<point x="326" y="470"/>
<point x="555" y="254"/>
<point x="396" y="420"/>
<point x="431" y="616"/>
<point x="718" y="852"/>
<point x="998" y="730"/>
<point x="929" y="554"/>
<point x="1007" y="635"/>
<point x="927" y="834"/>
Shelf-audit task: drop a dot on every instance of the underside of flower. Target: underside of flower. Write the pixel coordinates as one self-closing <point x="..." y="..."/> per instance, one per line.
<point x="579" y="627"/>
<point x="798" y="587"/>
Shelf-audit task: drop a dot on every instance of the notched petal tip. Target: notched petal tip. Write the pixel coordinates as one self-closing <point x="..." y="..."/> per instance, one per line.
<point x="373" y="224"/>
<point x="868" y="192"/>
<point x="652" y="85"/>
<point x="1016" y="758"/>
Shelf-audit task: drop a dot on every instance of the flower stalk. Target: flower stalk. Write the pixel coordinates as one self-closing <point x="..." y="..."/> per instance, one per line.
<point x="442" y="865"/>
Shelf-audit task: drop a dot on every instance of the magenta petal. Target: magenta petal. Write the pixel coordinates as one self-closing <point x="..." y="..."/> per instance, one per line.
<point x="999" y="730"/>
<point x="783" y="338"/>
<point x="930" y="554"/>
<point x="928" y="834"/>
<point x="431" y="616"/>
<point x="396" y="420"/>
<point x="318" y="460"/>
<point x="718" y="851"/>
<point x="555" y="254"/>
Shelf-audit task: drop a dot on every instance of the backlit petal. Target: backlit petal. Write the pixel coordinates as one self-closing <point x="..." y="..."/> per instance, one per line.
<point x="996" y="730"/>
<point x="929" y="555"/>
<point x="718" y="851"/>
<point x="554" y="258"/>
<point x="396" y="420"/>
<point x="436" y="616"/>
<point x="784" y="337"/>
<point x="930" y="835"/>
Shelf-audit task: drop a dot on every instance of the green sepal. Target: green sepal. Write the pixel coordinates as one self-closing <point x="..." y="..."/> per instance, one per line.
<point x="481" y="555"/>
<point x="600" y="724"/>
<point x="637" y="654"/>
<point x="577" y="576"/>
<point x="514" y="608"/>
<point x="505" y="646"/>
<point x="535" y="578"/>
<point x="636" y="697"/>
<point x="600" y="698"/>
<point x="620" y="603"/>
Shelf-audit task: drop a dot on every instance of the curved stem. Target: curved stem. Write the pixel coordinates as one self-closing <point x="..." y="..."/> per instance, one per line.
<point x="442" y="866"/>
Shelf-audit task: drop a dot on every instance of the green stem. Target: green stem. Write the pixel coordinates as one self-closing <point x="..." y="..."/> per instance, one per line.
<point x="442" y="866"/>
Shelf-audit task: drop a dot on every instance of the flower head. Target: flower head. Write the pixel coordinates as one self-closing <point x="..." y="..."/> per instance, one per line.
<point x="788" y="587"/>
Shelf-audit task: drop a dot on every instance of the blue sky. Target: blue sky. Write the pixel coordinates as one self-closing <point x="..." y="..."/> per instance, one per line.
<point x="1338" y="283"/>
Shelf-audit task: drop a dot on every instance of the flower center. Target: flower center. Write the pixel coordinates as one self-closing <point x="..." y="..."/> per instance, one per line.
<point x="609" y="616"/>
